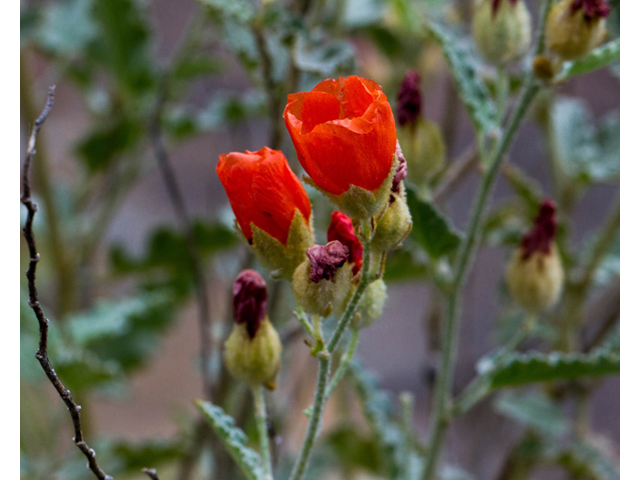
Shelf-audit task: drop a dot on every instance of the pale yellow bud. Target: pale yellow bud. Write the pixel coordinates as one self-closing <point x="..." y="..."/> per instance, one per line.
<point x="535" y="281"/>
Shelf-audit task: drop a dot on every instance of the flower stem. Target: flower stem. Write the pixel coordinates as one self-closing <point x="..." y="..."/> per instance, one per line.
<point x="344" y="362"/>
<point x="316" y="417"/>
<point x="320" y="395"/>
<point x="465" y="257"/>
<point x="261" y="420"/>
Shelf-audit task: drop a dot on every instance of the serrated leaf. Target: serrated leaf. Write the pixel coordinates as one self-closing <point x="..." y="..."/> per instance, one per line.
<point x="377" y="410"/>
<point x="233" y="438"/>
<point x="521" y="369"/>
<point x="314" y="54"/>
<point x="587" y="151"/>
<point x="598" y="58"/>
<point x="533" y="410"/>
<point x="431" y="229"/>
<point x="473" y="92"/>
<point x="239" y="10"/>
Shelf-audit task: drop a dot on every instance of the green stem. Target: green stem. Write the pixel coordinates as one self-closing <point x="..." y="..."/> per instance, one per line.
<point x="302" y="316"/>
<point x="320" y="396"/>
<point x="344" y="362"/>
<point x="316" y="417"/>
<point x="261" y="420"/>
<point x="465" y="256"/>
<point x="365" y="279"/>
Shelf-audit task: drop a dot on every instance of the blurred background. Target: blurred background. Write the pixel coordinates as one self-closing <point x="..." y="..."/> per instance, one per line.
<point x="115" y="276"/>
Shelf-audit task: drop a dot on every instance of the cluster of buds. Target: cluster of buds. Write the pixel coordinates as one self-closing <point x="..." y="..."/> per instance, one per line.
<point x="535" y="275"/>
<point x="502" y="30"/>
<point x="345" y="136"/>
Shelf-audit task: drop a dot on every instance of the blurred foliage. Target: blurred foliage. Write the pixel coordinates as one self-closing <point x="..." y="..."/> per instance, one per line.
<point x="108" y="53"/>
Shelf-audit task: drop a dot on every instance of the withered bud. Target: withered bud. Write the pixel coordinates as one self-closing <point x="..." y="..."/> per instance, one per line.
<point x="543" y="67"/>
<point x="326" y="259"/>
<point x="591" y="9"/>
<point x="401" y="171"/>
<point x="409" y="99"/>
<point x="541" y="236"/>
<point x="249" y="300"/>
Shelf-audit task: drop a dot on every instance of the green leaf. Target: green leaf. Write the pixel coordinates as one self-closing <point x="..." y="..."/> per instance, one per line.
<point x="132" y="457"/>
<point x="533" y="410"/>
<point x="587" y="461"/>
<point x="80" y="370"/>
<point x="233" y="438"/>
<point x="124" y="331"/>
<point x="377" y="410"/>
<point x="521" y="369"/>
<point x="431" y="229"/>
<point x="403" y="265"/>
<point x="598" y="58"/>
<point x="473" y="92"/>
<point x="314" y="54"/>
<point x="100" y="147"/>
<point x="353" y="450"/>
<point x="360" y="13"/>
<point x="241" y="11"/>
<point x="123" y="45"/>
<point x="587" y="151"/>
<point x="67" y="27"/>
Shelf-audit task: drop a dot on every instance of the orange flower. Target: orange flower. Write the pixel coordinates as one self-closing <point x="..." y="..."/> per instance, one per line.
<point x="344" y="133"/>
<point x="341" y="229"/>
<point x="264" y="191"/>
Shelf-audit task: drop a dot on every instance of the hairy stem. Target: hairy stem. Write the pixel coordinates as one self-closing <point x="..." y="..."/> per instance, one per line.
<point x="465" y="256"/>
<point x="344" y="362"/>
<point x="261" y="420"/>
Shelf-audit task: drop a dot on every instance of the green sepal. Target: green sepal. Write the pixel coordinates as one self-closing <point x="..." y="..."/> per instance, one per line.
<point x="359" y="203"/>
<point x="282" y="260"/>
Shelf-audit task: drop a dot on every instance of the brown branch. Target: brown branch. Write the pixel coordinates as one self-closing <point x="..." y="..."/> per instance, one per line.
<point x="34" y="303"/>
<point x="153" y="474"/>
<point x="182" y="216"/>
<point x="455" y="174"/>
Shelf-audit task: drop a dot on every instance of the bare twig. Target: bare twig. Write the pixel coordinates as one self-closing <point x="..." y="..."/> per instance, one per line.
<point x="153" y="474"/>
<point x="180" y="209"/>
<point x="34" y="303"/>
<point x="456" y="173"/>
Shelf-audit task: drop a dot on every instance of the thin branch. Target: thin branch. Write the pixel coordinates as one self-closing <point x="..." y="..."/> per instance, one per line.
<point x="34" y="303"/>
<point x="180" y="209"/>
<point x="456" y="174"/>
<point x="153" y="474"/>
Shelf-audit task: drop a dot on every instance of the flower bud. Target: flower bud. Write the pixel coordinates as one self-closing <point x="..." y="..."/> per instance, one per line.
<point x="535" y="275"/>
<point x="543" y="67"/>
<point x="345" y="136"/>
<point x="502" y="30"/>
<point x="409" y="99"/>
<point x="271" y="206"/>
<point x="371" y="304"/>
<point x="394" y="226"/>
<point x="575" y="27"/>
<point x="341" y="229"/>
<point x="320" y="283"/>
<point x="252" y="351"/>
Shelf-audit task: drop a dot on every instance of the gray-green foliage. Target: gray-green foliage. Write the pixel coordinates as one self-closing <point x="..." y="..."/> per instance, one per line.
<point x="233" y="439"/>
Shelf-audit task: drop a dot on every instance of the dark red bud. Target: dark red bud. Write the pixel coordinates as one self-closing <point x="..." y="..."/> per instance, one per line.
<point x="541" y="236"/>
<point x="249" y="300"/>
<point x="341" y="229"/>
<point x="591" y="9"/>
<point x="401" y="171"/>
<point x="409" y="99"/>
<point x="326" y="259"/>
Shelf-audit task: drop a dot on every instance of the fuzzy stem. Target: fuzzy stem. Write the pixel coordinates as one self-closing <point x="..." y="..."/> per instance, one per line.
<point x="261" y="421"/>
<point x="320" y="396"/>
<point x="316" y="416"/>
<point x="344" y="362"/>
<point x="465" y="259"/>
